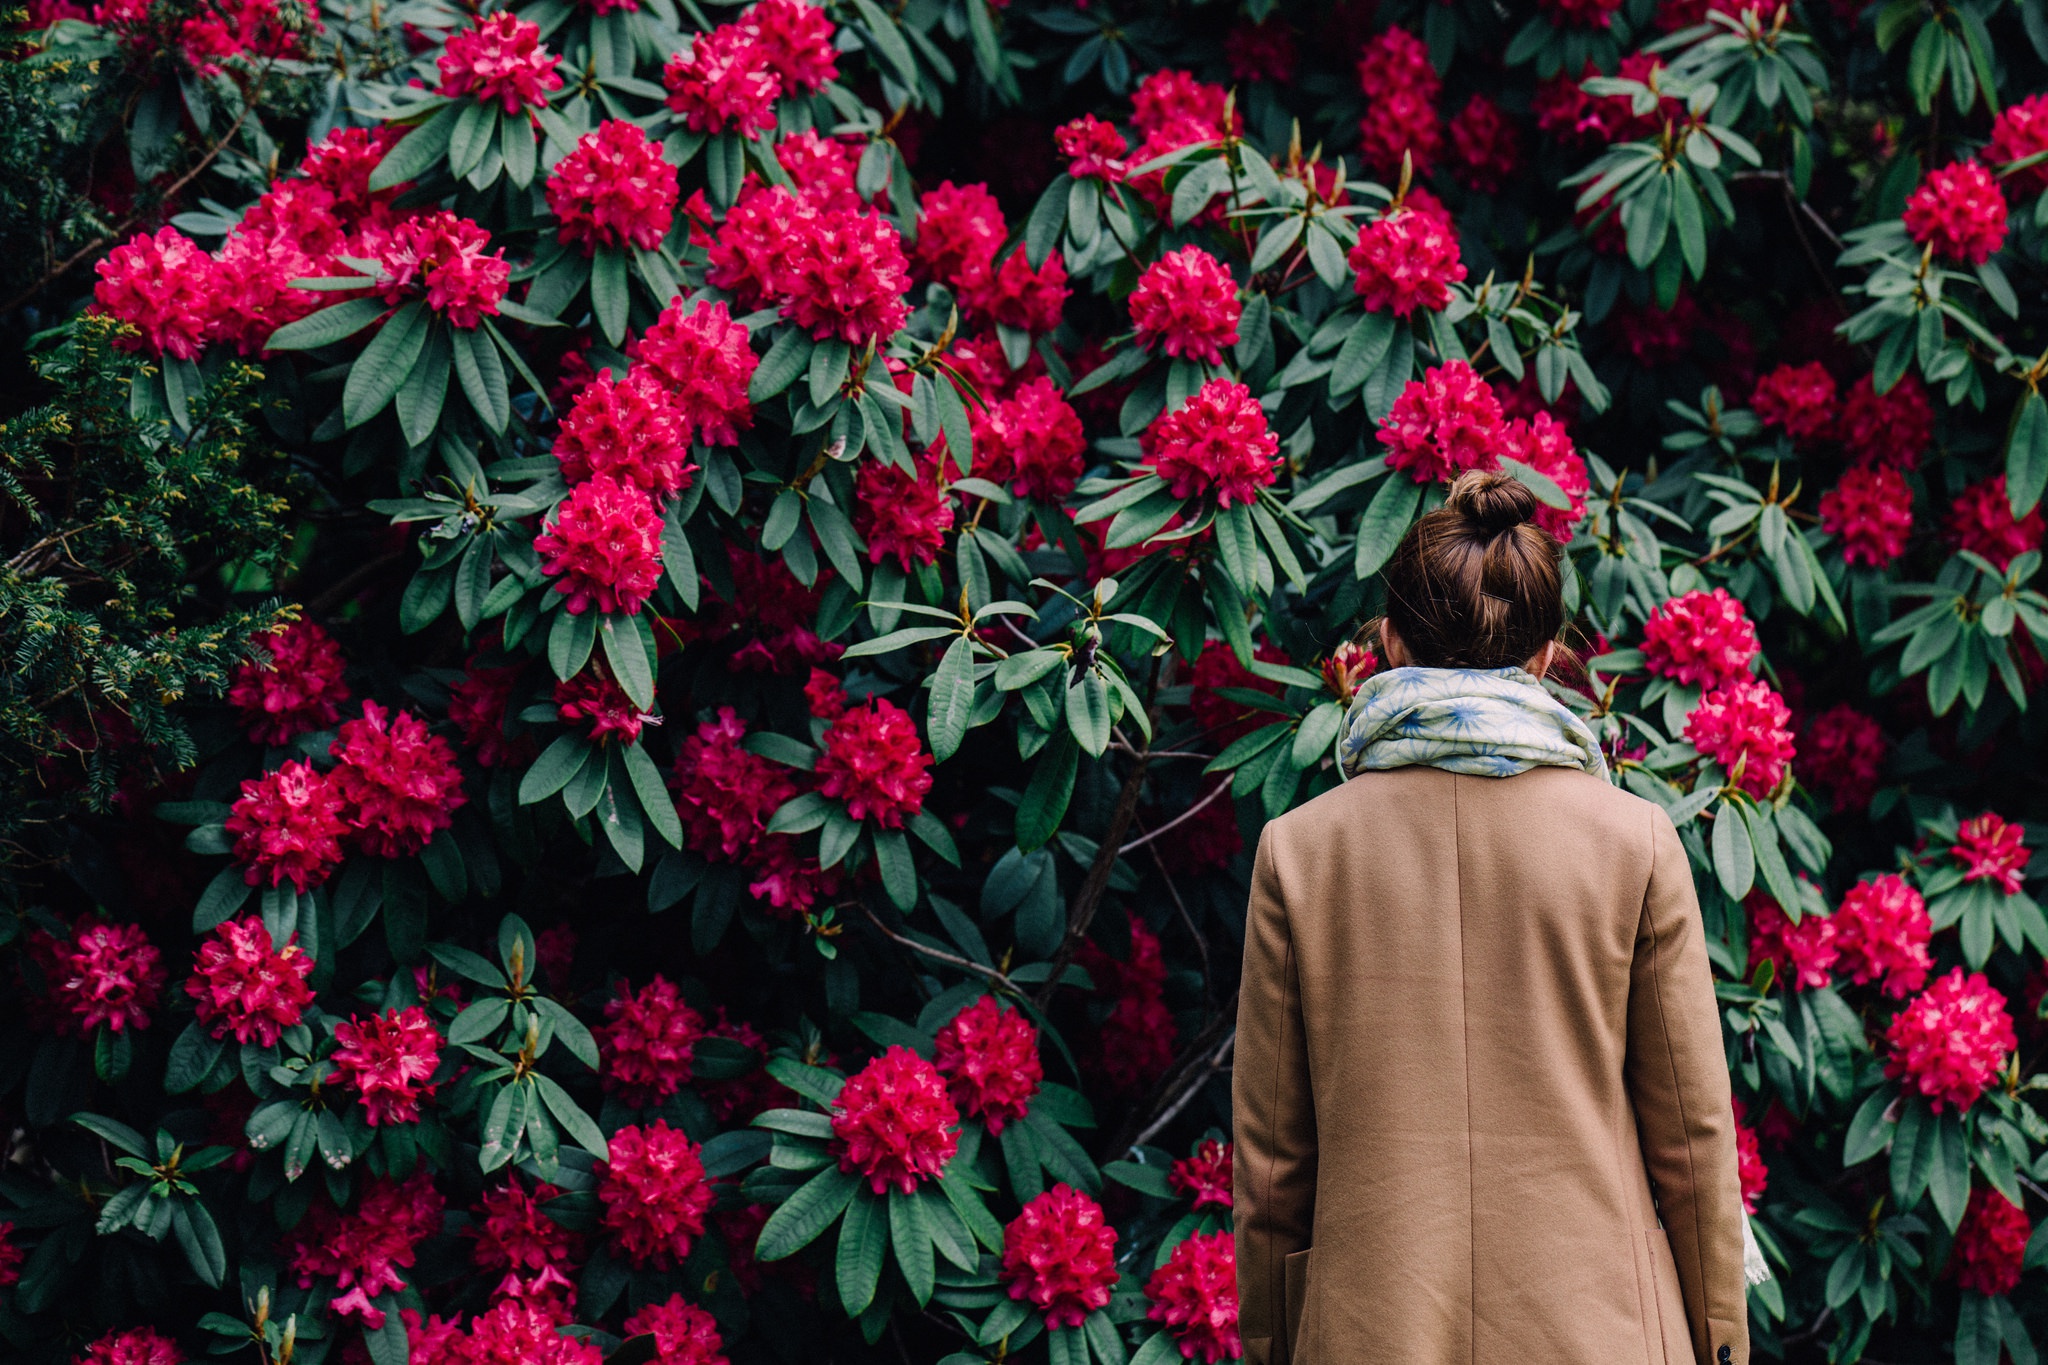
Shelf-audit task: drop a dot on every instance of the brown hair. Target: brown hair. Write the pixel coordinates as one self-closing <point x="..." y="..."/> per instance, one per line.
<point x="1476" y="583"/>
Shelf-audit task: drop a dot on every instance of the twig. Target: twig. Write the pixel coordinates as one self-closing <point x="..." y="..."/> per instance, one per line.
<point x="1089" y="897"/>
<point x="1189" y="1089"/>
<point x="1189" y="813"/>
<point x="939" y="955"/>
<point x="1202" y="1059"/>
<point x="1201" y="946"/>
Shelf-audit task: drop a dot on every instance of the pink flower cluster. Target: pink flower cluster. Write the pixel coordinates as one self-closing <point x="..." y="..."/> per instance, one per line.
<point x="834" y="271"/>
<point x="1982" y="522"/>
<point x="646" y="1041"/>
<point x="1094" y="149"/>
<point x="1802" y="955"/>
<point x="1798" y="399"/>
<point x="516" y="1238"/>
<point x="1186" y="305"/>
<point x="1444" y="424"/>
<point x="1031" y="440"/>
<point x="1991" y="1245"/>
<point x="1871" y="509"/>
<point x="703" y="357"/>
<point x="513" y="1331"/>
<point x="1486" y="149"/>
<point x="288" y="826"/>
<point x="1993" y="849"/>
<point x="724" y="798"/>
<point x="1959" y="212"/>
<point x="1951" y="1040"/>
<point x="900" y="514"/>
<point x="398" y="784"/>
<point x="894" y="1122"/>
<point x="248" y="986"/>
<point x="1406" y="259"/>
<point x="300" y="689"/>
<point x="1749" y="1160"/>
<point x="500" y="59"/>
<point x="389" y="1059"/>
<point x="363" y="1251"/>
<point x="2020" y="131"/>
<point x="441" y="257"/>
<point x="1400" y="86"/>
<point x="989" y="1057"/>
<point x="604" y="547"/>
<point x="1843" y="750"/>
<point x="654" y="1192"/>
<point x="630" y="430"/>
<point x="595" y="696"/>
<point x="1542" y="443"/>
<point x="136" y="1346"/>
<point x="1589" y="14"/>
<point x="1700" y="638"/>
<point x="1893" y="427"/>
<point x="1205" y="1176"/>
<point x="872" y="761"/>
<point x="1743" y="725"/>
<point x="104" y="976"/>
<point x="613" y="189"/>
<point x="1194" y="1293"/>
<point x="1135" y="1043"/>
<point x="1059" y="1256"/>
<point x="1217" y="444"/>
<point x="1882" y="930"/>
<point x="684" y="1334"/>
<point x="730" y="77"/>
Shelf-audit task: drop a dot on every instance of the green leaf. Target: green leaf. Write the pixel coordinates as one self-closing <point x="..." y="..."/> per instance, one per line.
<point x="424" y="393"/>
<point x="1363" y="350"/>
<point x="571" y="1116"/>
<point x="193" y="1055"/>
<point x="1048" y="217"/>
<point x="1088" y="713"/>
<point x="952" y="699"/>
<point x="1948" y="1174"/>
<point x="899" y="873"/>
<point x="1734" y="857"/>
<point x="1384" y="523"/>
<point x="1870" y="1132"/>
<point x="1051" y="787"/>
<point x="327" y="326"/>
<point x="385" y="364"/>
<point x="199" y="1238"/>
<point x="570" y="641"/>
<point x="610" y="292"/>
<point x="863" y="1244"/>
<point x="552" y="771"/>
<point x="807" y="1213"/>
<point x="2026" y="454"/>
<point x="910" y="1233"/>
<point x="789" y="357"/>
<point x="417" y="150"/>
<point x="224" y="895"/>
<point x="482" y="376"/>
<point x="115" y="1132"/>
<point x="626" y="652"/>
<point x="655" y="800"/>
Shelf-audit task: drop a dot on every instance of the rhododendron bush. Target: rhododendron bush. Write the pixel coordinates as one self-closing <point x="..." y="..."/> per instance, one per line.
<point x="648" y="642"/>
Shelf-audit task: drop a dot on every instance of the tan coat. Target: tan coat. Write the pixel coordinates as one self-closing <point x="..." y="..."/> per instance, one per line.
<point x="1477" y="1036"/>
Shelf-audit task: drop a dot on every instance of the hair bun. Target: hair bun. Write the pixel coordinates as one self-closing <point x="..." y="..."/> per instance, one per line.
<point x="1492" y="501"/>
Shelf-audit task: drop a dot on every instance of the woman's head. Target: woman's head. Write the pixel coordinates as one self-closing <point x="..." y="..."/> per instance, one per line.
<point x="1476" y="583"/>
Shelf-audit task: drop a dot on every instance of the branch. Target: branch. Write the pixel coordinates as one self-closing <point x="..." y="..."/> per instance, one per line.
<point x="1143" y="839"/>
<point x="1192" y="1070"/>
<point x="941" y="956"/>
<point x="1190" y="1089"/>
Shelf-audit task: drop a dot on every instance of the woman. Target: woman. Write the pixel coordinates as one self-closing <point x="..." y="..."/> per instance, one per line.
<point x="1482" y="1108"/>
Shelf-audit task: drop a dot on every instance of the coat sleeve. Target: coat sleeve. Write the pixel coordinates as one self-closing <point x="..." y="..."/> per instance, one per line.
<point x="1678" y="1083"/>
<point x="1274" y="1170"/>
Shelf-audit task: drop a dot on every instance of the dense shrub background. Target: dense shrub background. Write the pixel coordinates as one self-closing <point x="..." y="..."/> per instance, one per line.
<point x="646" y="642"/>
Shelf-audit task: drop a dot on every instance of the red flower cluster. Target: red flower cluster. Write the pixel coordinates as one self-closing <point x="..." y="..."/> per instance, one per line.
<point x="747" y="256"/>
<point x="1400" y="86"/>
<point x="613" y="188"/>
<point x="1186" y="304"/>
<point x="1744" y="723"/>
<point x="1843" y="750"/>
<point x="1215" y="444"/>
<point x="136" y="1346"/>
<point x="1871" y="509"/>
<point x="989" y="1057"/>
<point x="514" y="1236"/>
<point x="1882" y="930"/>
<point x="646" y="1041"/>
<point x="1800" y="399"/>
<point x="1485" y="146"/>
<point x="901" y="514"/>
<point x="872" y="761"/>
<point x="163" y="287"/>
<point x="1059" y="1256"/>
<point x="844" y="275"/>
<point x="1014" y="295"/>
<point x="1406" y="259"/>
<point x="1951" y="1041"/>
<point x="1135" y="1043"/>
<point x="1031" y="440"/>
<point x="595" y="696"/>
<point x="1094" y="149"/>
<point x="1749" y="1160"/>
<point x="105" y="975"/>
<point x="604" y="547"/>
<point x="706" y="362"/>
<point x="685" y="1334"/>
<point x="390" y="1059"/>
<point x="1591" y="14"/>
<point x="1703" y="638"/>
<point x="1444" y="424"/>
<point x="723" y="82"/>
<point x="894" y="1122"/>
<point x="500" y="58"/>
<point x="798" y="41"/>
<point x="363" y="1251"/>
<point x="1195" y="1294"/>
<point x="1892" y="427"/>
<point x="288" y="825"/>
<point x="1993" y="849"/>
<point x="724" y="800"/>
<point x="1264" y="51"/>
<point x="248" y="986"/>
<point x="1205" y="1176"/>
<point x="1565" y="111"/>
<point x="1168" y="98"/>
<point x="654" y="1192"/>
<point x="1545" y="446"/>
<point x="959" y="230"/>
<point x="2020" y="131"/>
<point x="1982" y="522"/>
<point x="11" y="1257"/>
<point x="1958" y="211"/>
<point x="513" y="1332"/>
<point x="1216" y="668"/>
<point x="1803" y="954"/>
<point x="1991" y="1243"/>
<point x="477" y="707"/>
<point x="300" y="689"/>
<point x="630" y="431"/>
<point x="398" y="784"/>
<point x="442" y="256"/>
<point x="1347" y="668"/>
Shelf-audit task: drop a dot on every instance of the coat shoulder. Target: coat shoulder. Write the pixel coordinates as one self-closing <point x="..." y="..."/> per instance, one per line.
<point x="1566" y="797"/>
